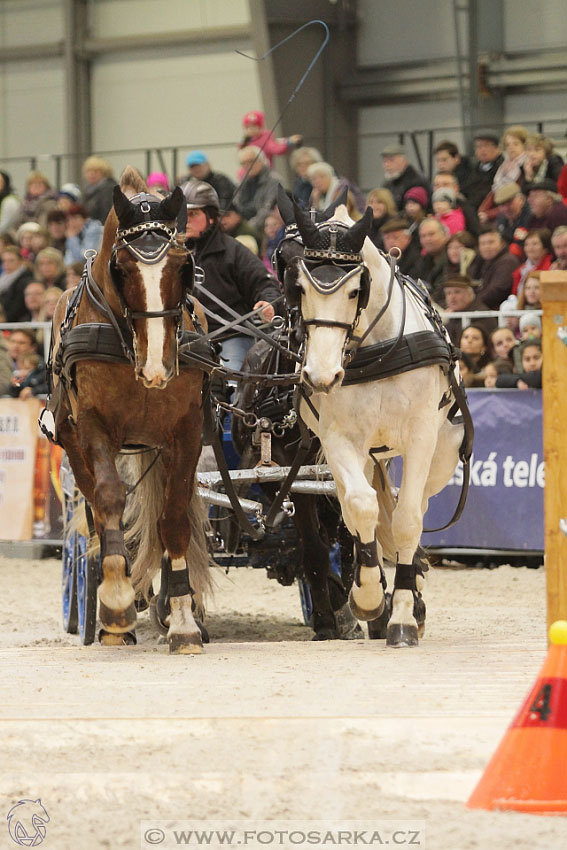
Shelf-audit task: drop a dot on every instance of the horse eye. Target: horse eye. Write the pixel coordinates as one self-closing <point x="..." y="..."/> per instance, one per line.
<point x="354" y="294"/>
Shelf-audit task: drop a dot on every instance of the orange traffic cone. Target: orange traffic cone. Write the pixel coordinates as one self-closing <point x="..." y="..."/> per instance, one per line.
<point x="528" y="771"/>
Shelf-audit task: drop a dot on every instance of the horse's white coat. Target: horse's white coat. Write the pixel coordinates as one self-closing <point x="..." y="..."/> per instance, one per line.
<point x="153" y="370"/>
<point x="400" y="412"/>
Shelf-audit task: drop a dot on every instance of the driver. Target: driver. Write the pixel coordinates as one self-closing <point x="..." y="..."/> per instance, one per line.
<point x="232" y="272"/>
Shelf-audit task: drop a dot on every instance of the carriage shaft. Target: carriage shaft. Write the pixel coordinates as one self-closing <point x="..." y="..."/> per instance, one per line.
<point x="264" y="475"/>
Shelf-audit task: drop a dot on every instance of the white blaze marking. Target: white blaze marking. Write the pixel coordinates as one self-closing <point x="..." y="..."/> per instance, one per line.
<point x="151" y="277"/>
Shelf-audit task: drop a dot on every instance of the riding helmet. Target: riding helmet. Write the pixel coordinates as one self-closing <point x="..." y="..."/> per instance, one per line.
<point x="199" y="195"/>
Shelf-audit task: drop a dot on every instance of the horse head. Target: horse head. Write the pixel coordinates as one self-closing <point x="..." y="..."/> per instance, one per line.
<point x="152" y="274"/>
<point x="330" y="284"/>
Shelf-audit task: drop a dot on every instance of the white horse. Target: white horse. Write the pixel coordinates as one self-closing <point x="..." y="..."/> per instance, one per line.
<point x="348" y="298"/>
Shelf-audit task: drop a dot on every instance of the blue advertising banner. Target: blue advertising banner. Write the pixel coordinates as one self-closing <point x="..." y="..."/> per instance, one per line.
<point x="504" y="508"/>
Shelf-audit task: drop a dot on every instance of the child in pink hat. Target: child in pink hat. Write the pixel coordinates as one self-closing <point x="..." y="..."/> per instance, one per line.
<point x="256" y="134"/>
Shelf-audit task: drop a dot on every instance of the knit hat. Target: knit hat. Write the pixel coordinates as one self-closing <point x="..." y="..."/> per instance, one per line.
<point x="78" y="209"/>
<point x="254" y="117"/>
<point x="158" y="178"/>
<point x="528" y="319"/>
<point x="447" y="195"/>
<point x="416" y="193"/>
<point x="71" y="191"/>
<point x="195" y="158"/>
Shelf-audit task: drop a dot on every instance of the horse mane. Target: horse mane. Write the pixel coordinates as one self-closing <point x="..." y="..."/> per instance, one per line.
<point x="132" y="182"/>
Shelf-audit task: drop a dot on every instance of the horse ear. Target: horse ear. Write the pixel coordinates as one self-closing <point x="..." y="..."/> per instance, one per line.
<point x="341" y="199"/>
<point x="171" y="205"/>
<point x="121" y="205"/>
<point x="359" y="231"/>
<point x="307" y="229"/>
<point x="285" y="206"/>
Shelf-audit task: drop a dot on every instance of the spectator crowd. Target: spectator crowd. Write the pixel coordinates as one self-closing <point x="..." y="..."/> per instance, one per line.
<point x="478" y="234"/>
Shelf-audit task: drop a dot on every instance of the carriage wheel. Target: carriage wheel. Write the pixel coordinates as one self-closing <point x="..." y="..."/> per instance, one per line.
<point x="306" y="601"/>
<point x="87" y="586"/>
<point x="69" y="576"/>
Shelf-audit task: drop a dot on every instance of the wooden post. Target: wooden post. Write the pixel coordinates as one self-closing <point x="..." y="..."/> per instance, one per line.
<point x="554" y="344"/>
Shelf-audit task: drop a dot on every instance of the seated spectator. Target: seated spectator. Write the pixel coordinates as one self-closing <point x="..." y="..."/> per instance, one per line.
<point x="529" y="298"/>
<point x="510" y="171"/>
<point x="327" y="186"/>
<point x="21" y="341"/>
<point x="400" y="175"/>
<point x="158" y="184"/>
<point x="15" y="277"/>
<point x="530" y="326"/>
<point x="460" y="297"/>
<point x="69" y="194"/>
<point x="504" y="343"/>
<point x="274" y="229"/>
<point x="500" y="366"/>
<point x="475" y="342"/>
<point x="73" y="274"/>
<point x="531" y="365"/>
<point x="10" y="206"/>
<point x="50" y="267"/>
<point x="448" y="160"/>
<point x="512" y="220"/>
<point x="99" y="186"/>
<point x="494" y="267"/>
<point x="445" y="180"/>
<point x="24" y="238"/>
<point x="460" y="252"/>
<point x="49" y="302"/>
<point x="415" y="206"/>
<point x="541" y="162"/>
<point x="383" y="210"/>
<point x="257" y="194"/>
<point x="83" y="234"/>
<point x="559" y="245"/>
<point x="30" y="379"/>
<point x="6" y="365"/>
<point x="56" y="229"/>
<point x="444" y="207"/>
<point x="488" y="160"/>
<point x="39" y="240"/>
<point x="396" y="234"/>
<point x="548" y="211"/>
<point x="33" y="298"/>
<point x="255" y="134"/>
<point x="232" y="222"/>
<point x="433" y="237"/>
<point x="300" y="160"/>
<point x="537" y="248"/>
<point x="466" y="370"/>
<point x="39" y="198"/>
<point x="200" y="169"/>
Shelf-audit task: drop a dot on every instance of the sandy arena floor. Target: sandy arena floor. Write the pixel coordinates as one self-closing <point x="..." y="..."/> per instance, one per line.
<point x="266" y="725"/>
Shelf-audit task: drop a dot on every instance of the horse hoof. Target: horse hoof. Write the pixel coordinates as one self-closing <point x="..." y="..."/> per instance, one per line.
<point x="377" y="629"/>
<point x="185" y="644"/>
<point x="347" y="624"/>
<point x="117" y="621"/>
<point x="361" y="613"/>
<point x="326" y="634"/>
<point x="117" y="638"/>
<point x="401" y="634"/>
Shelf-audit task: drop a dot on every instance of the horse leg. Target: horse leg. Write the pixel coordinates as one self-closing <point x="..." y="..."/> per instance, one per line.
<point x="183" y="636"/>
<point x="408" y="608"/>
<point x="360" y="511"/>
<point x="116" y="595"/>
<point x="315" y="566"/>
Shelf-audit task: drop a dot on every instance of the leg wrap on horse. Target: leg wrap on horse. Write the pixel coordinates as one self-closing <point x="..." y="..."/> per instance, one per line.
<point x="112" y="543"/>
<point x="178" y="583"/>
<point x="367" y="556"/>
<point x="405" y="577"/>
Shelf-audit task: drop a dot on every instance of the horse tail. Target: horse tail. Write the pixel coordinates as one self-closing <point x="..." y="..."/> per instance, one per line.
<point x="143" y="508"/>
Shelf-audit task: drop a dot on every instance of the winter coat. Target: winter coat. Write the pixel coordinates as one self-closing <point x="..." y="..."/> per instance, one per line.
<point x="97" y="198"/>
<point x="408" y="178"/>
<point x="12" y="298"/>
<point x="257" y="197"/>
<point x="495" y="277"/>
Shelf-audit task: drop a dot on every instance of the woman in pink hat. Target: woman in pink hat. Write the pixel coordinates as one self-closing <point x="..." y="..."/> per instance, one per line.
<point x="256" y="134"/>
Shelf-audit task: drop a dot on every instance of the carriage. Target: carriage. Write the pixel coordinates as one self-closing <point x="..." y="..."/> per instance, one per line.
<point x="162" y="368"/>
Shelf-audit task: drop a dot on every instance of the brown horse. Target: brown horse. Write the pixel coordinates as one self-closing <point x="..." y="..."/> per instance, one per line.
<point x="117" y="383"/>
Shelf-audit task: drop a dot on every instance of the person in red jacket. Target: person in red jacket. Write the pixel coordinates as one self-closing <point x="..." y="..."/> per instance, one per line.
<point x="539" y="256"/>
<point x="256" y="134"/>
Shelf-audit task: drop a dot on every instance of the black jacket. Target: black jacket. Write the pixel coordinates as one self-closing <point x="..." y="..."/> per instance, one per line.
<point x="408" y="178"/>
<point x="12" y="299"/>
<point x="410" y="261"/>
<point x="232" y="273"/>
<point x="478" y="182"/>
<point x="97" y="198"/>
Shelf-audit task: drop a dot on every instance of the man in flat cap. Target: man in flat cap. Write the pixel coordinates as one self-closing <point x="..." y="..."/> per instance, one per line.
<point x="548" y="211"/>
<point x="396" y="234"/>
<point x="460" y="297"/>
<point x="400" y="175"/>
<point x="488" y="160"/>
<point x="513" y="217"/>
